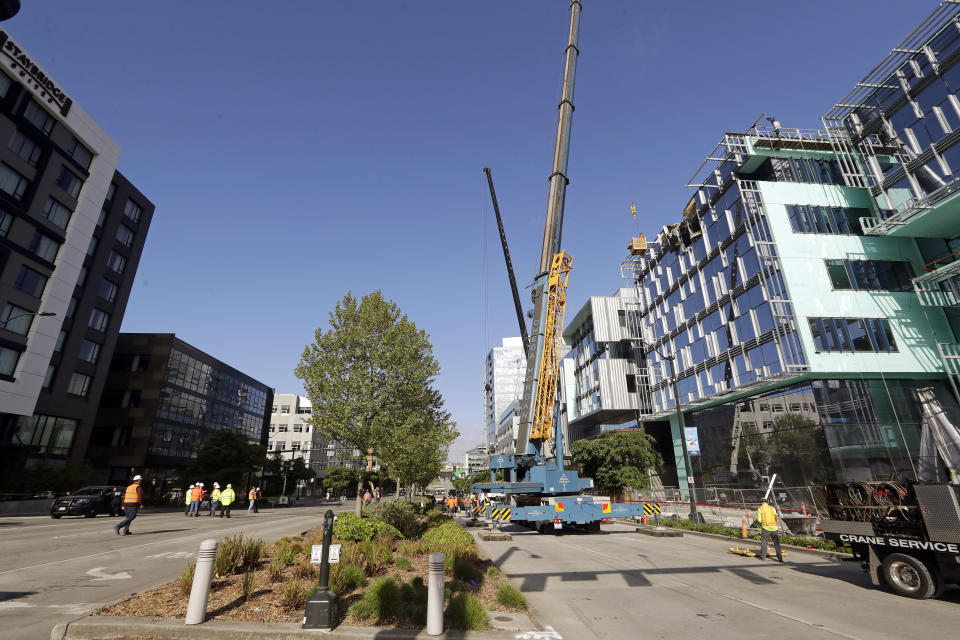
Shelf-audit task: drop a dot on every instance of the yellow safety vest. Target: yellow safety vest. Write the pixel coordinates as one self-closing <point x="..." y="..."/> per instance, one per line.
<point x="227" y="496"/>
<point x="215" y="495"/>
<point x="187" y="497"/>
<point x="767" y="516"/>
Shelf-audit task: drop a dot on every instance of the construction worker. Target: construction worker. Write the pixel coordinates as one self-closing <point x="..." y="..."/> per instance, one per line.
<point x="214" y="498"/>
<point x="187" y="498"/>
<point x="256" y="505"/>
<point x="132" y="501"/>
<point x="366" y="498"/>
<point x="767" y="517"/>
<point x="251" y="499"/>
<point x="227" y="497"/>
<point x="196" y="497"/>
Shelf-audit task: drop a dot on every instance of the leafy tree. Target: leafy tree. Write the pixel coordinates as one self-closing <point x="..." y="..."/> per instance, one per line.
<point x="416" y="450"/>
<point x="339" y="479"/>
<point x="370" y="380"/>
<point x="463" y="484"/>
<point x="617" y="459"/>
<point x="226" y="456"/>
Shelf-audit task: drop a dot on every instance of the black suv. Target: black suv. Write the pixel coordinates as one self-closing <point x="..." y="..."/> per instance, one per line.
<point x="88" y="501"/>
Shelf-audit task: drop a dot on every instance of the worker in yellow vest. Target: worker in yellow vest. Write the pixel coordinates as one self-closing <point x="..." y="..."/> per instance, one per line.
<point x="767" y="517"/>
<point x="252" y="500"/>
<point x="214" y="498"/>
<point x="132" y="501"/>
<point x="187" y="498"/>
<point x="227" y="498"/>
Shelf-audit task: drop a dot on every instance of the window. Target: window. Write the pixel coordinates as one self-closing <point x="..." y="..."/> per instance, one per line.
<point x="132" y="210"/>
<point x="12" y="182"/>
<point x="281" y="444"/>
<point x="283" y="428"/>
<point x="79" y="385"/>
<point x="30" y="282"/>
<point x="44" y="246"/>
<point x="8" y="360"/>
<point x="125" y="235"/>
<point x="273" y="428"/>
<point x="298" y="428"/>
<point x="4" y="85"/>
<point x="72" y="307"/>
<point x="69" y="182"/>
<point x="56" y="213"/>
<point x="90" y="351"/>
<point x="870" y="275"/>
<point x="269" y="446"/>
<point x="274" y="409"/>
<point x="98" y="320"/>
<point x="48" y="378"/>
<point x="839" y="278"/>
<point x="24" y="147"/>
<point x="60" y="340"/>
<point x="5" y="221"/>
<point x="836" y="220"/>
<point x="107" y="290"/>
<point x="38" y="116"/>
<point x="81" y="154"/>
<point x="16" y="319"/>
<point x="116" y="262"/>
<point x="794" y="407"/>
<point x="305" y="410"/>
<point x="852" y="335"/>
<point x="295" y="446"/>
<point x="82" y="277"/>
<point x="284" y="409"/>
<point x="92" y="247"/>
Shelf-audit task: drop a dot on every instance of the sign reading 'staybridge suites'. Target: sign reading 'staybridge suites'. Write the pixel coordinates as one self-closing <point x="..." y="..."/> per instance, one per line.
<point x="29" y="71"/>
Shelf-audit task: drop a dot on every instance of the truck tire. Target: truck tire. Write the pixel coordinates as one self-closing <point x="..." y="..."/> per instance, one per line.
<point x="56" y="516"/>
<point x="908" y="576"/>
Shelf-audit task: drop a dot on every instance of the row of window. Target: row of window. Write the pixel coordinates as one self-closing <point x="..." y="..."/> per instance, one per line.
<point x="852" y="334"/>
<point x="297" y="428"/>
<point x="836" y="220"/>
<point x="870" y="275"/>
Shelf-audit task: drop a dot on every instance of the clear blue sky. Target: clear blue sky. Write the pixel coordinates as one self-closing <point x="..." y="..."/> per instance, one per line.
<point x="299" y="150"/>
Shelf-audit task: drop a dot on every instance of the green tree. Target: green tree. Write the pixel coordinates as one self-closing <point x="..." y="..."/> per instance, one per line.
<point x="416" y="450"/>
<point x="617" y="459"/>
<point x="370" y="380"/>
<point x="226" y="456"/>
<point x="463" y="484"/>
<point x="339" y="479"/>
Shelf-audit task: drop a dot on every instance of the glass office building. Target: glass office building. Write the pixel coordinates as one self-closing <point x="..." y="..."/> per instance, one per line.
<point x="809" y="290"/>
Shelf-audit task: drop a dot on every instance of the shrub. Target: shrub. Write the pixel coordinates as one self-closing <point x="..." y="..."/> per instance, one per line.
<point x="464" y="569"/>
<point x="346" y="577"/>
<point x="186" y="577"/>
<point x="435" y="518"/>
<point x="253" y="550"/>
<point x="303" y="569"/>
<point x="381" y="600"/>
<point x="400" y="515"/>
<point x="403" y="563"/>
<point x="414" y="595"/>
<point x="449" y="533"/>
<point x="510" y="596"/>
<point x="229" y="555"/>
<point x="352" y="553"/>
<point x="349" y="527"/>
<point x="248" y="584"/>
<point x="466" y="613"/>
<point x="413" y="547"/>
<point x="286" y="555"/>
<point x="294" y="595"/>
<point x="492" y="571"/>
<point x="276" y="570"/>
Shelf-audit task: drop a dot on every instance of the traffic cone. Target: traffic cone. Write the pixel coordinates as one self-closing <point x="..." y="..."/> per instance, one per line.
<point x="643" y="518"/>
<point x="743" y="527"/>
<point x="803" y="507"/>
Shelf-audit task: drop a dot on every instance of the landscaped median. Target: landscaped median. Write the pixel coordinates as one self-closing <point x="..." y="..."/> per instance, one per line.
<point x="380" y="580"/>
<point x="797" y="542"/>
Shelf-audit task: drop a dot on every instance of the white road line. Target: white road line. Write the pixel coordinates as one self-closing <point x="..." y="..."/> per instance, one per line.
<point x="148" y="544"/>
<point x="787" y="616"/>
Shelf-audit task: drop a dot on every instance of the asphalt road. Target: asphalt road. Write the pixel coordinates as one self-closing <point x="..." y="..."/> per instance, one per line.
<point x="620" y="584"/>
<point x="53" y="571"/>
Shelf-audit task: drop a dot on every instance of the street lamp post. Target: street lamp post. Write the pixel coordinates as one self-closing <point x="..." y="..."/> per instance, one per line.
<point x="45" y="314"/>
<point x="694" y="517"/>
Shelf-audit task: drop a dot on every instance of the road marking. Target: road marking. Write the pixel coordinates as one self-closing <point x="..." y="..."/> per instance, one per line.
<point x="171" y="555"/>
<point x="15" y="604"/>
<point x="149" y="544"/>
<point x="75" y="609"/>
<point x="98" y="574"/>
<point x="548" y="633"/>
<point x="818" y="627"/>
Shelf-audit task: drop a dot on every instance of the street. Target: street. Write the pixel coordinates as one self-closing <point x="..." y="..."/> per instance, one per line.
<point x="620" y="584"/>
<point x="53" y="571"/>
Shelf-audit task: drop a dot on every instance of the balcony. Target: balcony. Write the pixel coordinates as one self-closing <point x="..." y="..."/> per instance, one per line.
<point x="940" y="285"/>
<point x="934" y="216"/>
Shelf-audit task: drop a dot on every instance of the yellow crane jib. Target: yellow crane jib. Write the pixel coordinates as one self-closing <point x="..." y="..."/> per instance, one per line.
<point x="541" y="422"/>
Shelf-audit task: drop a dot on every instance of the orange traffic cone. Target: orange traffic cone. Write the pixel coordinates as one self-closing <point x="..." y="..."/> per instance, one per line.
<point x="743" y="527"/>
<point x="643" y="518"/>
<point x="803" y="507"/>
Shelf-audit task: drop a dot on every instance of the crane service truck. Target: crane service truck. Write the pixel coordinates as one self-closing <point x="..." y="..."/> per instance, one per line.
<point x="538" y="489"/>
<point x="907" y="535"/>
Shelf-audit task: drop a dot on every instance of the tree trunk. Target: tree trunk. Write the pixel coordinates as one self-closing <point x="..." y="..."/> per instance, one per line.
<point x="358" y="509"/>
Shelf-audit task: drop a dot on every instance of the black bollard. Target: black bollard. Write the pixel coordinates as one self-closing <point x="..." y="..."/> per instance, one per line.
<point x="319" y="614"/>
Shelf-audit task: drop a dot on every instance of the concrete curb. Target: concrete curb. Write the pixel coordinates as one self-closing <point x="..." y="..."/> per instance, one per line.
<point x="106" y="627"/>
<point x="835" y="555"/>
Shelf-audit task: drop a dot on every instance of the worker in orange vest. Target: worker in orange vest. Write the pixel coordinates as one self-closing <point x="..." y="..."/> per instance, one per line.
<point x="132" y="501"/>
<point x="196" y="497"/>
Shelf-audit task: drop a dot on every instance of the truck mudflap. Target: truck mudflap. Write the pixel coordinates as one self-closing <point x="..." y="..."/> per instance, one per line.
<point x="571" y="510"/>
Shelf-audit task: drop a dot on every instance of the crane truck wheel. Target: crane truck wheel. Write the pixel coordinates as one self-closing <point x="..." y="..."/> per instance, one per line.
<point x="908" y="576"/>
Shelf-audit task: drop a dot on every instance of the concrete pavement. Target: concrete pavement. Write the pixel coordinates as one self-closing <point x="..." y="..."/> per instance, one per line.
<point x="53" y="571"/>
<point x="620" y="584"/>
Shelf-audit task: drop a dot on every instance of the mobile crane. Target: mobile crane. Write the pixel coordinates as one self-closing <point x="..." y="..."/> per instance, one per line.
<point x="541" y="492"/>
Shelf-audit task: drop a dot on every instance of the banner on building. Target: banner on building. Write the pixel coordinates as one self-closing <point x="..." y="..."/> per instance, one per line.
<point x="692" y="440"/>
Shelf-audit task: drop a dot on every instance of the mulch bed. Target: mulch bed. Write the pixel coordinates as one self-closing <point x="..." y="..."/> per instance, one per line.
<point x="227" y="602"/>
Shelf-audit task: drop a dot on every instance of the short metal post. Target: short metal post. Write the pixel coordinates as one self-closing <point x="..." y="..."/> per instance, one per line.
<point x="200" y="590"/>
<point x="435" y="595"/>
<point x="319" y="612"/>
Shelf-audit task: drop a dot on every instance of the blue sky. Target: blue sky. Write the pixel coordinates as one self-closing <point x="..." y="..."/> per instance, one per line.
<point x="299" y="150"/>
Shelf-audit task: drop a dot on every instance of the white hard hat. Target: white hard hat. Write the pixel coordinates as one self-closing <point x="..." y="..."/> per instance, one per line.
<point x="192" y="486"/>
<point x="201" y="484"/>
<point x="229" y="486"/>
<point x="216" y="484"/>
<point x="135" y="478"/>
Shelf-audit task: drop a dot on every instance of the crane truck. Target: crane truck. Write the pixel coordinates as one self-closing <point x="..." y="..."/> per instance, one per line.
<point x="906" y="535"/>
<point x="539" y="490"/>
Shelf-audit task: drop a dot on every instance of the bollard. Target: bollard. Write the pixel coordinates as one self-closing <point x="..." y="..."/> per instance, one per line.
<point x="319" y="612"/>
<point x="435" y="595"/>
<point x="643" y="518"/>
<point x="200" y="590"/>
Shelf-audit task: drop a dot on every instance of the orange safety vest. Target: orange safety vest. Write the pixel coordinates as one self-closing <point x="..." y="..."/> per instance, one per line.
<point x="252" y="495"/>
<point x="196" y="494"/>
<point x="132" y="494"/>
<point x="767" y="516"/>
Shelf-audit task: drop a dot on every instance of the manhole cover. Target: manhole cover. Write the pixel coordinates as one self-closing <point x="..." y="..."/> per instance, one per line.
<point x="503" y="619"/>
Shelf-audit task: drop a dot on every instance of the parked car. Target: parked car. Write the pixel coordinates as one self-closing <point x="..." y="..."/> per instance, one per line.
<point x="88" y="502"/>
